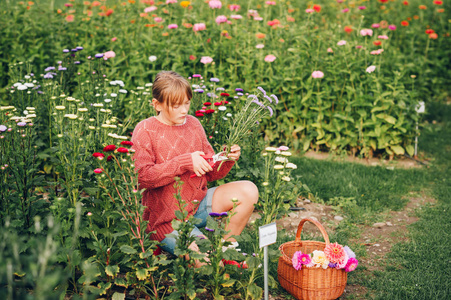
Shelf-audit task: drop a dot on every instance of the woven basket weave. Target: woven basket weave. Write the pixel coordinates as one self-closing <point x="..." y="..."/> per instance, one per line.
<point x="309" y="283"/>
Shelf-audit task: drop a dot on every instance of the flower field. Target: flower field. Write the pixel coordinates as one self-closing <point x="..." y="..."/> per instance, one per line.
<point x="76" y="77"/>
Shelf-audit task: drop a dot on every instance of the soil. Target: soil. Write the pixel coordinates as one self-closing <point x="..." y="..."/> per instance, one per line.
<point x="377" y="238"/>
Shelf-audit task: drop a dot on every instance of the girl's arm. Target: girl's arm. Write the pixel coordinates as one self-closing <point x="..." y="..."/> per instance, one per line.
<point x="225" y="167"/>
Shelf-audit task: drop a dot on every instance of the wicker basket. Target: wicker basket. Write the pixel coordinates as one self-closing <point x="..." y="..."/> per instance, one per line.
<point x="309" y="283"/>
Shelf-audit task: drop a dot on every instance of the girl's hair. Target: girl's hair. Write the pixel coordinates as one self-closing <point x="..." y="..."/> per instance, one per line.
<point x="170" y="88"/>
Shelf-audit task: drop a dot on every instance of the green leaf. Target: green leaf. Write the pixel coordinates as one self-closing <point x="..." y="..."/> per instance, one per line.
<point x="141" y="274"/>
<point x="229" y="283"/>
<point x="118" y="296"/>
<point x="112" y="270"/>
<point x="410" y="150"/>
<point x="397" y="149"/>
<point x="104" y="287"/>
<point x="121" y="282"/>
<point x="254" y="291"/>
<point x="127" y="249"/>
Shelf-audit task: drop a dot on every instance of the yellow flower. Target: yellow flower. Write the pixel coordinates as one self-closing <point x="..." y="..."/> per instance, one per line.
<point x="185" y="3"/>
<point x="319" y="259"/>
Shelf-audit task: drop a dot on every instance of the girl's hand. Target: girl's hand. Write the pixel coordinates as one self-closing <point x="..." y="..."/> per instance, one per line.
<point x="235" y="152"/>
<point x="200" y="165"/>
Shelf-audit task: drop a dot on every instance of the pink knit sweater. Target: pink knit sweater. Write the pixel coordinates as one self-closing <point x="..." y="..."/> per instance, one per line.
<point x="163" y="152"/>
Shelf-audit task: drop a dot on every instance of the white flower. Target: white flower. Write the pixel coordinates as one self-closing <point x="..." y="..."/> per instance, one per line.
<point x="113" y="82"/>
<point x="17" y="84"/>
<point x="370" y="69"/>
<point x="98" y="105"/>
<point x="82" y="109"/>
<point x="291" y="166"/>
<point x="22" y="87"/>
<point x="31" y="116"/>
<point x="265" y="183"/>
<point x="70" y="99"/>
<point x="229" y="115"/>
<point x="281" y="159"/>
<point x="285" y="153"/>
<point x="29" y="84"/>
<point x="123" y="91"/>
<point x="222" y="108"/>
<point x="91" y="119"/>
<point x="278" y="167"/>
<point x="71" y="116"/>
<point x="27" y="77"/>
<point x="60" y="107"/>
<point x="91" y="127"/>
<point x="286" y="178"/>
<point x="149" y="84"/>
<point x="271" y="149"/>
<point x="30" y="108"/>
<point x="113" y="95"/>
<point x="319" y="259"/>
<point x="152" y="58"/>
<point x="105" y="126"/>
<point x="107" y="100"/>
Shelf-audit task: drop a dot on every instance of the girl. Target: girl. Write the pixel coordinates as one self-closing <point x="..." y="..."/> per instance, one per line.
<point x="173" y="144"/>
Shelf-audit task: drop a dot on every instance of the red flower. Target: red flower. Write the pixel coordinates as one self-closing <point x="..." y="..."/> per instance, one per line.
<point x="404" y="23"/>
<point x="429" y="31"/>
<point x="438" y="2"/>
<point x="198" y="114"/>
<point x="192" y="57"/>
<point x="406" y="3"/>
<point x="122" y="150"/>
<point x="218" y="103"/>
<point x="207" y="103"/>
<point x="109" y="158"/>
<point x="226" y="102"/>
<point x="225" y="94"/>
<point x="98" y="170"/>
<point x="109" y="12"/>
<point x="383" y="1"/>
<point x="98" y="154"/>
<point x="348" y="29"/>
<point x="377" y="43"/>
<point x="109" y="148"/>
<point x="317" y="8"/>
<point x="127" y="143"/>
<point x="433" y="36"/>
<point x="209" y="111"/>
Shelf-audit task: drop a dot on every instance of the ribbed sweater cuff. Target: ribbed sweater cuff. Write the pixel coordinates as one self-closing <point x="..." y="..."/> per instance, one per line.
<point x="186" y="162"/>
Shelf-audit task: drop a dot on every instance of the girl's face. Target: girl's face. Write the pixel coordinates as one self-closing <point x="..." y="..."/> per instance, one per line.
<point x="172" y="115"/>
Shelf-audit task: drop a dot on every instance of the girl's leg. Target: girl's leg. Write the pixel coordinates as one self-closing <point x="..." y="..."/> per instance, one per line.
<point x="247" y="194"/>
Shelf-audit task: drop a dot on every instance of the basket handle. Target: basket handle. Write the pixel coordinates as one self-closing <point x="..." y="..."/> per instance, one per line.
<point x="317" y="224"/>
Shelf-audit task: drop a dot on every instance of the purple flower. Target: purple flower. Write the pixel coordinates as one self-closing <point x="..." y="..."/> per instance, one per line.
<point x="235" y="97"/>
<point x="258" y="102"/>
<point x="252" y="96"/>
<point x="223" y="214"/>
<point x="240" y="94"/>
<point x="239" y="90"/>
<point x="220" y="89"/>
<point x="99" y="55"/>
<point x="76" y="62"/>
<point x="332" y="265"/>
<point x="271" y="112"/>
<point x="49" y="69"/>
<point x="74" y="50"/>
<point x="200" y="91"/>
<point x="267" y="98"/>
<point x="31" y="74"/>
<point x="3" y="128"/>
<point x="214" y="79"/>
<point x="275" y="98"/>
<point x="66" y="51"/>
<point x="40" y="92"/>
<point x="261" y="90"/>
<point x="349" y="252"/>
<point x="62" y="68"/>
<point x="79" y="48"/>
<point x="209" y="229"/>
<point x="214" y="215"/>
<point x="196" y="76"/>
<point x="22" y="124"/>
<point x="48" y="76"/>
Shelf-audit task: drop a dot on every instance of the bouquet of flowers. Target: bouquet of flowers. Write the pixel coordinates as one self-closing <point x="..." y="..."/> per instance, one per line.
<point x="334" y="256"/>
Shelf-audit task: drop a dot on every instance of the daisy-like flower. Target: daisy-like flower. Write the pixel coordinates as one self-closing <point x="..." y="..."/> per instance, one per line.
<point x="351" y="265"/>
<point x="271" y="149"/>
<point x="278" y="167"/>
<point x="317" y="74"/>
<point x="305" y="259"/>
<point x="319" y="259"/>
<point x="296" y="260"/>
<point x="370" y="69"/>
<point x="206" y="60"/>
<point x="335" y="253"/>
<point x="341" y="43"/>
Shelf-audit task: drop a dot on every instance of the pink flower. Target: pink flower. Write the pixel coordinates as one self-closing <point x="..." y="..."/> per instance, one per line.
<point x="98" y="170"/>
<point x="341" y="43"/>
<point x="377" y="52"/>
<point x="382" y="37"/>
<point x="317" y="74"/>
<point x="335" y="253"/>
<point x="109" y="54"/>
<point x="270" y="2"/>
<point x="351" y="265"/>
<point x="171" y="1"/>
<point x="270" y="58"/>
<point x="309" y="10"/>
<point x="236" y="17"/>
<point x="258" y="18"/>
<point x="376" y="25"/>
<point x="358" y="47"/>
<point x="221" y="19"/>
<point x="158" y="19"/>
<point x="305" y="259"/>
<point x="234" y="7"/>
<point x="260" y="46"/>
<point x="365" y="32"/>
<point x="370" y="69"/>
<point x="150" y="9"/>
<point x="362" y="7"/>
<point x="345" y="10"/>
<point x="114" y="39"/>
<point x="199" y="27"/>
<point x="392" y="27"/>
<point x="340" y="1"/>
<point x="215" y="4"/>
<point x="296" y="260"/>
<point x="173" y="26"/>
<point x="283" y="148"/>
<point x="329" y="50"/>
<point x="206" y="60"/>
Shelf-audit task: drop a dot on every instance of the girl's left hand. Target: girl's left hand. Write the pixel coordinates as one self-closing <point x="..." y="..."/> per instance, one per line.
<point x="235" y="152"/>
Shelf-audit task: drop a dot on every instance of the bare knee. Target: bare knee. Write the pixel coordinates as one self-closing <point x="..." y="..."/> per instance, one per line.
<point x="250" y="193"/>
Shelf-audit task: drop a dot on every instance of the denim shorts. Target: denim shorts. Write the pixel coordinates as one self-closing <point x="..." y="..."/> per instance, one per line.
<point x="169" y="243"/>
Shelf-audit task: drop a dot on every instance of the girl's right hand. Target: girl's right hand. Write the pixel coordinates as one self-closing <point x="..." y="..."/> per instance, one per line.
<point x="200" y="165"/>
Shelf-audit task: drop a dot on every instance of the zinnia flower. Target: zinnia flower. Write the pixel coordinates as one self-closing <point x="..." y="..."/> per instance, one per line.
<point x="206" y="60"/>
<point x="199" y="27"/>
<point x="173" y="26"/>
<point x="221" y="19"/>
<point x="365" y="32"/>
<point x="214" y="4"/>
<point x="317" y="74"/>
<point x="109" y="54"/>
<point x="305" y="259"/>
<point x="335" y="253"/>
<point x="341" y="43"/>
<point x="270" y="58"/>
<point x="98" y="170"/>
<point x="370" y="69"/>
<point x="296" y="260"/>
<point x="351" y="265"/>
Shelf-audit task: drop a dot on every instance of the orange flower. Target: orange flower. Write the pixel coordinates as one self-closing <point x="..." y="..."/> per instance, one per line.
<point x="422" y="7"/>
<point x="404" y="23"/>
<point x="260" y="35"/>
<point x="440" y="10"/>
<point x="409" y="19"/>
<point x="416" y="17"/>
<point x="290" y="10"/>
<point x="87" y="3"/>
<point x="59" y="11"/>
<point x="437" y="2"/>
<point x="406" y="3"/>
<point x="95" y="3"/>
<point x="187" y="25"/>
<point x="165" y="34"/>
<point x="131" y="1"/>
<point x="30" y="3"/>
<point x="429" y="31"/>
<point x="433" y="36"/>
<point x="282" y="40"/>
<point x="143" y="15"/>
<point x="290" y="19"/>
<point x="317" y="8"/>
<point x="109" y="12"/>
<point x="132" y="21"/>
<point x="70" y="18"/>
<point x="185" y="4"/>
<point x="348" y="29"/>
<point x="383" y="24"/>
<point x="377" y="43"/>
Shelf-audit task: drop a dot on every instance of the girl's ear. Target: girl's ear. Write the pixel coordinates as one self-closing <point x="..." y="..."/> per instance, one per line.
<point x="157" y="105"/>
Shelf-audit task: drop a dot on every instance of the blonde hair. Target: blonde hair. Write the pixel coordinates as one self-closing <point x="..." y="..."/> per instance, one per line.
<point x="170" y="88"/>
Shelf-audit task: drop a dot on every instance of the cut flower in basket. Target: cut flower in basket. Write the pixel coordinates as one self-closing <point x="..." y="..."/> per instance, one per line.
<point x="334" y="256"/>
